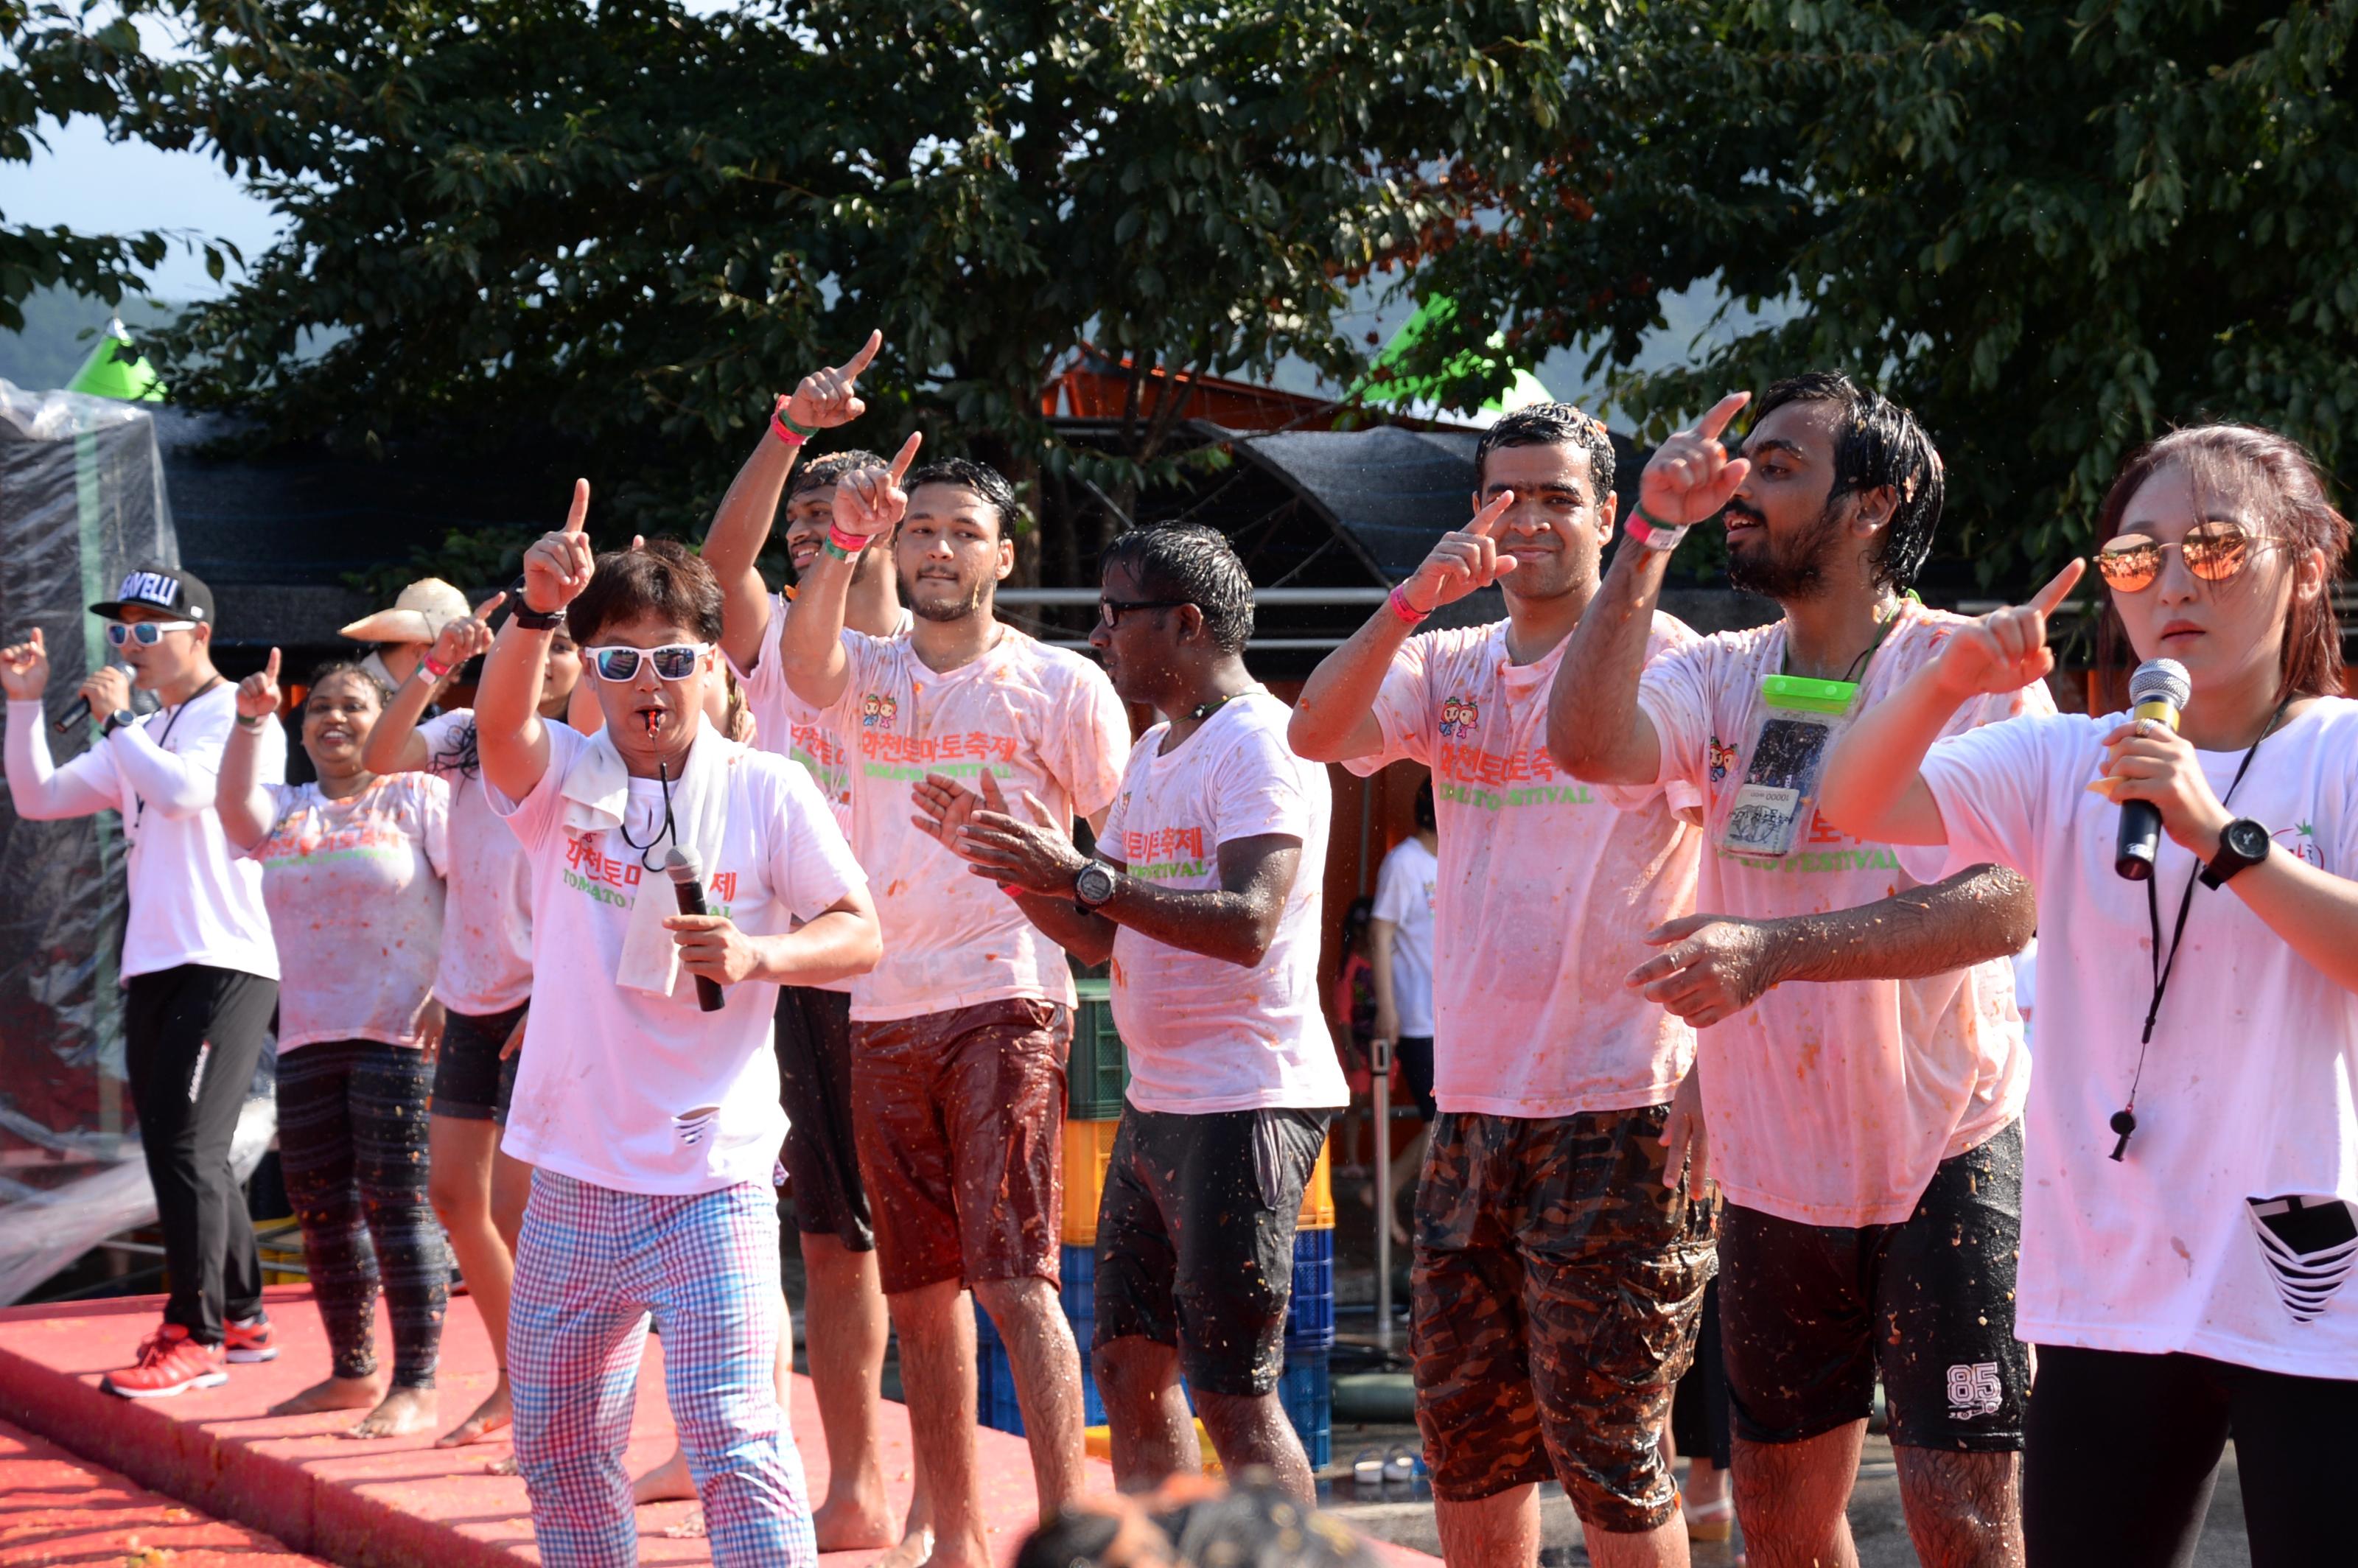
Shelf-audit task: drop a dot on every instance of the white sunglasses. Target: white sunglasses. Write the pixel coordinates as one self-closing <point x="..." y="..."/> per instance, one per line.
<point x="673" y="660"/>
<point x="147" y="632"/>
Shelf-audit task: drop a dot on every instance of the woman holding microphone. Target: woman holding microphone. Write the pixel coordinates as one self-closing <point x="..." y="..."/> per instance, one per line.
<point x="2190" y="1191"/>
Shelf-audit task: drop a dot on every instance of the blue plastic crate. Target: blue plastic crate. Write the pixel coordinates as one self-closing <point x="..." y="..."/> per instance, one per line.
<point x="1308" y="1399"/>
<point x="1079" y="1267"/>
<point x="995" y="1404"/>
<point x="1310" y="1319"/>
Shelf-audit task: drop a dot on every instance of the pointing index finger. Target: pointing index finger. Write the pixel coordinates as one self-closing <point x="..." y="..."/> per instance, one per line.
<point x="270" y="669"/>
<point x="579" y="511"/>
<point x="2047" y="598"/>
<point x="1486" y="521"/>
<point x="859" y="362"/>
<point x="1713" y="423"/>
<point x="484" y="610"/>
<point x="907" y="455"/>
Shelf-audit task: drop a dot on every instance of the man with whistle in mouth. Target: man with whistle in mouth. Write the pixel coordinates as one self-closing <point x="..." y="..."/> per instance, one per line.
<point x="653" y="1126"/>
<point x="959" y="1034"/>
<point x="1866" y="1129"/>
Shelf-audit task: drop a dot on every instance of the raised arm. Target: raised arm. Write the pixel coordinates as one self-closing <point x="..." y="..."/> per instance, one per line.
<point x="1596" y="730"/>
<point x="1335" y="719"/>
<point x="40" y="790"/>
<point x="510" y="736"/>
<point x="1873" y="786"/>
<point x="811" y="643"/>
<point x="1713" y="966"/>
<point x="394" y="745"/>
<point x="732" y="547"/>
<point x="244" y="805"/>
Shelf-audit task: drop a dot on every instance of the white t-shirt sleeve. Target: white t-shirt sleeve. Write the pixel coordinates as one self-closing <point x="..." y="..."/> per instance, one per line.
<point x="1109" y="838"/>
<point x="43" y="791"/>
<point x="810" y="865"/>
<point x="1403" y="710"/>
<point x="1259" y="791"/>
<point x="535" y="818"/>
<point x="1093" y="742"/>
<point x="1394" y="888"/>
<point x="1994" y="788"/>
<point x="434" y="823"/>
<point x="1675" y="693"/>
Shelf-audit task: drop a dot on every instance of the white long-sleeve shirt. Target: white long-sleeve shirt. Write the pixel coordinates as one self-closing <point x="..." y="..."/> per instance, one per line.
<point x="193" y="900"/>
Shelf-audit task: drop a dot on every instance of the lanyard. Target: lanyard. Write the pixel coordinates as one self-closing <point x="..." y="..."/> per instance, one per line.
<point x="139" y="801"/>
<point x="668" y="830"/>
<point x="1891" y="624"/>
<point x="2124" y="1121"/>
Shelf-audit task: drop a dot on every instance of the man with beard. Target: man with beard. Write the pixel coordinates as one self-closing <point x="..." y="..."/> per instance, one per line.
<point x="1203" y="898"/>
<point x="1560" y="1263"/>
<point x="1864" y="1131"/>
<point x="959" y="1036"/>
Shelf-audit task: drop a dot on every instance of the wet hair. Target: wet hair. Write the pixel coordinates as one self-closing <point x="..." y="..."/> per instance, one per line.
<point x="660" y="578"/>
<point x="1550" y="424"/>
<point x="334" y="668"/>
<point x="2278" y="481"/>
<point x="1197" y="565"/>
<point x="820" y="473"/>
<point x="980" y="478"/>
<point x="1425" y="819"/>
<point x="1876" y="444"/>
<point x="1074" y="1538"/>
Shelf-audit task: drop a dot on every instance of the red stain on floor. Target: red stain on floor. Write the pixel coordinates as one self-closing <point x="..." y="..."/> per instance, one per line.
<point x="54" y="1509"/>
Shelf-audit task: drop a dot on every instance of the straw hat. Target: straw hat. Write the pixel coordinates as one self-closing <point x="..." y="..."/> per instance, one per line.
<point x="419" y="616"/>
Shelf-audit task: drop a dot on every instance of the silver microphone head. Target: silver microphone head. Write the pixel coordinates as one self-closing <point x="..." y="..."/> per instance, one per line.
<point x="682" y="866"/>
<point x="2162" y="680"/>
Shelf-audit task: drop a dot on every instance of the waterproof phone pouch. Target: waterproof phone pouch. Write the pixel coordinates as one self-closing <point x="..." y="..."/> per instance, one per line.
<point x="1800" y="722"/>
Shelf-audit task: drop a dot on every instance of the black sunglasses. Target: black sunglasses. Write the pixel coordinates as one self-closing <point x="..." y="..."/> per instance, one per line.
<point x="1110" y="611"/>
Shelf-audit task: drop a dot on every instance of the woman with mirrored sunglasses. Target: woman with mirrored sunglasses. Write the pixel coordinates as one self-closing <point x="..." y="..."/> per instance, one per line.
<point x="2191" y="1195"/>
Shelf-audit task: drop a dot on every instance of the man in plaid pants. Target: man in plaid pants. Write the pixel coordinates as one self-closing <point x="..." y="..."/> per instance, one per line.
<point x="651" y="1113"/>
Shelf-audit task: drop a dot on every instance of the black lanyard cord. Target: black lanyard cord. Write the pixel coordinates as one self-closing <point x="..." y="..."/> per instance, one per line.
<point x="2124" y="1121"/>
<point x="139" y="801"/>
<point x="663" y="778"/>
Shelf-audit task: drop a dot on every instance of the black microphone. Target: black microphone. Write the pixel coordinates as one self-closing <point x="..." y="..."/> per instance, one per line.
<point x="686" y="874"/>
<point x="74" y="715"/>
<point x="2159" y="689"/>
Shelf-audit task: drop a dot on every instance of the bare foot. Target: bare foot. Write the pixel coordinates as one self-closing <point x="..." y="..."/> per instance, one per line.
<point x="689" y="1528"/>
<point x="668" y="1482"/>
<point x="943" y="1555"/>
<point x="336" y="1394"/>
<point x="402" y="1411"/>
<point x="912" y="1550"/>
<point x="491" y="1416"/>
<point x="855" y="1524"/>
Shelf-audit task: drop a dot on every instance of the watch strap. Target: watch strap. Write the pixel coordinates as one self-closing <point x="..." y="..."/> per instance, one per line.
<point x="2223" y="866"/>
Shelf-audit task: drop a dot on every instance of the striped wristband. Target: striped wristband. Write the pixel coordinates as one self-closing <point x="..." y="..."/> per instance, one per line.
<point x="1653" y="535"/>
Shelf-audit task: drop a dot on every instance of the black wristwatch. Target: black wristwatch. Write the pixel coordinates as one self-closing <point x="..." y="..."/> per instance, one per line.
<point x="2242" y="843"/>
<point x="1093" y="885"/>
<point x="116" y="721"/>
<point x="526" y="616"/>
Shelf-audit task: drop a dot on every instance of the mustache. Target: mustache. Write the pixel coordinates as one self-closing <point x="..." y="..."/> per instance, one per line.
<point x="1737" y="509"/>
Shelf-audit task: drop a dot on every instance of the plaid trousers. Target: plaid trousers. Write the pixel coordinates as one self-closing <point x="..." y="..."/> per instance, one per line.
<point x="591" y="1265"/>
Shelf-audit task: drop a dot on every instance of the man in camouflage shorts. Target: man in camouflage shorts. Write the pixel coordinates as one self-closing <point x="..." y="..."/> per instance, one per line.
<point x="1559" y="1278"/>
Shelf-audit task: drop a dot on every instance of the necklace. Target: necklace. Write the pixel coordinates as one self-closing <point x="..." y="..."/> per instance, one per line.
<point x="1204" y="710"/>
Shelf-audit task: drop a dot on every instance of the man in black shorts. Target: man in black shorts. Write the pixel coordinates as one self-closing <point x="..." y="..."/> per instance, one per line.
<point x="1205" y="895"/>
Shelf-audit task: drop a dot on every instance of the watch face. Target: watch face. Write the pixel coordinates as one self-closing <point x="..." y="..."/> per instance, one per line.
<point x="1095" y="885"/>
<point x="2247" y="840"/>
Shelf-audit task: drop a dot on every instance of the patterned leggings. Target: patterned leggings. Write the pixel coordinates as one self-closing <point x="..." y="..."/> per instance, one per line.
<point x="592" y="1264"/>
<point x="351" y="1142"/>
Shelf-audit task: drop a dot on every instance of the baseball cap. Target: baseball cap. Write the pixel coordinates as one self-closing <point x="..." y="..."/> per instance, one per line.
<point x="171" y="590"/>
<point x="418" y="614"/>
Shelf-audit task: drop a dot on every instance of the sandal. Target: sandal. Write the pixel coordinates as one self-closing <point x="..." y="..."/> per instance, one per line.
<point x="1709" y="1521"/>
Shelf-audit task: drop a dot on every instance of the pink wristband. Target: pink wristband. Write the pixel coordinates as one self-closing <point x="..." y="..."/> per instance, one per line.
<point x="785" y="432"/>
<point x="425" y="661"/>
<point x="1650" y="535"/>
<point x="851" y="545"/>
<point x="1408" y="612"/>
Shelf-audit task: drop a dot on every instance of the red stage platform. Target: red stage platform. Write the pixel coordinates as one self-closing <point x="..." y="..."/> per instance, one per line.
<point x="56" y="1510"/>
<point x="395" y="1503"/>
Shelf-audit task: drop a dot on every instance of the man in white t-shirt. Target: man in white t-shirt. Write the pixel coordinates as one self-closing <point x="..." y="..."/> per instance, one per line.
<point x="1400" y="962"/>
<point x="1560" y="1261"/>
<point x="844" y="1320"/>
<point x="200" y="969"/>
<point x="647" y="1100"/>
<point x="1864" y="1131"/>
<point x="959" y="1035"/>
<point x="1203" y="896"/>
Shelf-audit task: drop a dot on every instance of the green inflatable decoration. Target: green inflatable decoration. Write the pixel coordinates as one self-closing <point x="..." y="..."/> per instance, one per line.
<point x="1400" y="392"/>
<point x="115" y="369"/>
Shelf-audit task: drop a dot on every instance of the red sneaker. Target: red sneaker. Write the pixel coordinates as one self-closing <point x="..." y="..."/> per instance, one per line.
<point x="249" y="1340"/>
<point x="169" y="1362"/>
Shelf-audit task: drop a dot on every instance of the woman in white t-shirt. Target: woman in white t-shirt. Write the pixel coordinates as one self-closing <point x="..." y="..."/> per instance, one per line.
<point x="2190" y="1190"/>
<point x="352" y="869"/>
<point x="483" y="979"/>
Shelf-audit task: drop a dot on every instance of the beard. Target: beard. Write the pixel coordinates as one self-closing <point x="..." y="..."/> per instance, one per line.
<point x="966" y="604"/>
<point x="1794" y="569"/>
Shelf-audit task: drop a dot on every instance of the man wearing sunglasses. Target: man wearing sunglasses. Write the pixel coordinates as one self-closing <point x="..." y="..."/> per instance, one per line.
<point x="1865" y="1129"/>
<point x="200" y="967"/>
<point x="1205" y="898"/>
<point x="959" y="1034"/>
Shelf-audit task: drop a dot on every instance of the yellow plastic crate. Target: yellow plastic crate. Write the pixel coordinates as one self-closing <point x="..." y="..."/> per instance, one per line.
<point x="1089" y="1149"/>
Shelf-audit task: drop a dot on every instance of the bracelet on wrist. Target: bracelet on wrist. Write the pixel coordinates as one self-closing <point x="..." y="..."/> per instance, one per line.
<point x="844" y="547"/>
<point x="1409" y="613"/>
<point x="255" y="723"/>
<point x="787" y="430"/>
<point x="433" y="670"/>
<point x="1653" y="535"/>
<point x="532" y="620"/>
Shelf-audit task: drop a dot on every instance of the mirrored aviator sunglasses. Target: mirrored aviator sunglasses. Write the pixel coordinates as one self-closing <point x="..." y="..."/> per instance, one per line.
<point x="2214" y="551"/>
<point x="673" y="660"/>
